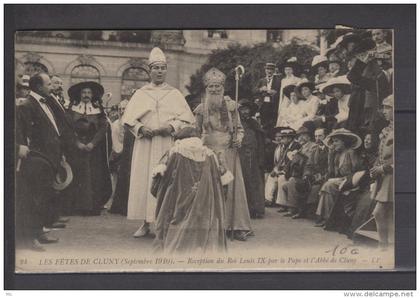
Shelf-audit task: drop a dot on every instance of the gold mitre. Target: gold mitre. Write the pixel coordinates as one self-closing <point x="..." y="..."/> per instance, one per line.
<point x="156" y="56"/>
<point x="214" y="76"/>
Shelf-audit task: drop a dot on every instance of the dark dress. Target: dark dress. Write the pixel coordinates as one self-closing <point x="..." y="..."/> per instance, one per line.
<point x="251" y="155"/>
<point x="91" y="187"/>
<point x="120" y="202"/>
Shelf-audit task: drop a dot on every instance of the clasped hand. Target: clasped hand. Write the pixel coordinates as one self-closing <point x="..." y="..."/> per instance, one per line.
<point x="162" y="131"/>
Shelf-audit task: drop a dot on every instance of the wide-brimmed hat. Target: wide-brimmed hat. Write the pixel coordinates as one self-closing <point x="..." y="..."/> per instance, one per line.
<point x="318" y="88"/>
<point x="305" y="83"/>
<point x="63" y="177"/>
<point x="249" y="104"/>
<point x="334" y="46"/>
<point x="291" y="62"/>
<point x="354" y="140"/>
<point x="339" y="82"/>
<point x="317" y="61"/>
<point x="289" y="89"/>
<point x="75" y="90"/>
<point x="364" y="45"/>
<point x="350" y="37"/>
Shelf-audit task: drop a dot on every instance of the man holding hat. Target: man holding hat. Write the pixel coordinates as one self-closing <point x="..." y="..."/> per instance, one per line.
<point x="267" y="90"/>
<point x="40" y="155"/>
<point x="154" y="113"/>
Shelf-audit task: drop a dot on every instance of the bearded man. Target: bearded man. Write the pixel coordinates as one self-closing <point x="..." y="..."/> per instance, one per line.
<point x="217" y="120"/>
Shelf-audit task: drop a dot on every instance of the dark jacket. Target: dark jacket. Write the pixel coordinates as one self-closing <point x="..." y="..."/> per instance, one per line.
<point x="64" y="122"/>
<point x="268" y="110"/>
<point x="374" y="87"/>
<point x="295" y="167"/>
<point x="283" y="161"/>
<point x="37" y="132"/>
<point x="317" y="162"/>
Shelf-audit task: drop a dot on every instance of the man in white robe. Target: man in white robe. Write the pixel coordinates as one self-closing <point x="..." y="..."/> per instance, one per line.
<point x="154" y="113"/>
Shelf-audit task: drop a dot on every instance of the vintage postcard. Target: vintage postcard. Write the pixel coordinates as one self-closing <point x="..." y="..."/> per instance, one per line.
<point x="204" y="150"/>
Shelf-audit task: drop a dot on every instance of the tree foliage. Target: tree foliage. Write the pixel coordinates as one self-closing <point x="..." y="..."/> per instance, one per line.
<point x="253" y="58"/>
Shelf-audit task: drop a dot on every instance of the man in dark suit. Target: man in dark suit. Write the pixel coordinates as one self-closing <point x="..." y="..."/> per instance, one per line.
<point x="267" y="92"/>
<point x="39" y="133"/>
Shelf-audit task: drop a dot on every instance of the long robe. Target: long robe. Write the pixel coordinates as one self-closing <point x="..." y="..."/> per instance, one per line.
<point x="190" y="205"/>
<point x="251" y="154"/>
<point x="91" y="187"/>
<point x="218" y="138"/>
<point x="120" y="200"/>
<point x="154" y="107"/>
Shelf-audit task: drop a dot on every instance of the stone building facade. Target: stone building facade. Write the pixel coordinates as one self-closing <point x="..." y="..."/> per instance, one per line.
<point x="118" y="59"/>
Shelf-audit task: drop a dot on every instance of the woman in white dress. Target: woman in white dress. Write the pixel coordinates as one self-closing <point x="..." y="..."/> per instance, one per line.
<point x="293" y="113"/>
<point x="289" y="69"/>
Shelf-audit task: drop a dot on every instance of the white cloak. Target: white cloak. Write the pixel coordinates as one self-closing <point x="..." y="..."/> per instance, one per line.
<point x="154" y="107"/>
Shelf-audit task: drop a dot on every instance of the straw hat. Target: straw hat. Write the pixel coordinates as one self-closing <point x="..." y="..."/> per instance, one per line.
<point x="354" y="140"/>
<point x="339" y="82"/>
<point x="317" y="61"/>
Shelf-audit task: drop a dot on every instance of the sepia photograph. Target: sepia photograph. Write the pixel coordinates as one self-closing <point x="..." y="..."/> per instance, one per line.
<point x="204" y="150"/>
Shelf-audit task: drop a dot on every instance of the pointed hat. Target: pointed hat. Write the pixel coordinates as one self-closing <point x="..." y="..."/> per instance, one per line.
<point x="156" y="56"/>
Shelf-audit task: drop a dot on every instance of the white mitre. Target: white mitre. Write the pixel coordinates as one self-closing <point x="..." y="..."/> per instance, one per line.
<point x="156" y="56"/>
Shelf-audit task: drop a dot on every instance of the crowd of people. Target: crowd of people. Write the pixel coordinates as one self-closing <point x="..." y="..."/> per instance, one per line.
<point x="313" y="144"/>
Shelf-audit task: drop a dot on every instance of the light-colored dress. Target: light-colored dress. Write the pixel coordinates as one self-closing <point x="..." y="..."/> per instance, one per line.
<point x="152" y="106"/>
<point x="293" y="115"/>
<point x="292" y="80"/>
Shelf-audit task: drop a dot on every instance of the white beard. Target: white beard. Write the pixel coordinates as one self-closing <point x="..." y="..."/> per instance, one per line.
<point x="214" y="101"/>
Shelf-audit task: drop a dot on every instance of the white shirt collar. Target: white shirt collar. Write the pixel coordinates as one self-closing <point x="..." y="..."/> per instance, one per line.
<point x="87" y="109"/>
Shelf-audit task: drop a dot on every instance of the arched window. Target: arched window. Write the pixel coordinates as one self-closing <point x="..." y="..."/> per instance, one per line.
<point x="32" y="68"/>
<point x="83" y="73"/>
<point x="133" y="78"/>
